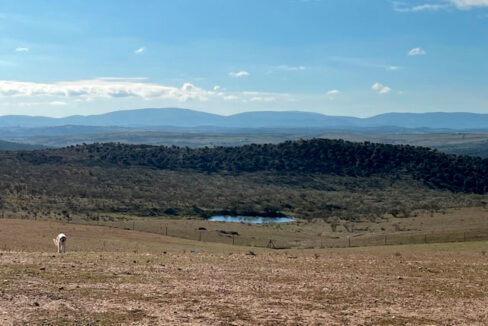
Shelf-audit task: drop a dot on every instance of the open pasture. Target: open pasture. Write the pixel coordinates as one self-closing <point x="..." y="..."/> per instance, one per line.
<point x="132" y="281"/>
<point x="449" y="225"/>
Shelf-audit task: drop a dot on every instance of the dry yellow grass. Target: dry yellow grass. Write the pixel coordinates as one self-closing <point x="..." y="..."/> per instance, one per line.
<point x="449" y="225"/>
<point x="130" y="281"/>
<point x="28" y="235"/>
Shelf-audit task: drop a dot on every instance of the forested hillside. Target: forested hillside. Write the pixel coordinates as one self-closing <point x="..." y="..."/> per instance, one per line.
<point x="331" y="157"/>
<point x="326" y="179"/>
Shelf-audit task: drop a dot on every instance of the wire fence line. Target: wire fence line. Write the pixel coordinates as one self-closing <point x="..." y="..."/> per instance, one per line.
<point x="351" y="240"/>
<point x="162" y="227"/>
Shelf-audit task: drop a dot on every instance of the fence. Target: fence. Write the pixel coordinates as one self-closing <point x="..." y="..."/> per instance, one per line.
<point x="351" y="240"/>
<point x="163" y="227"/>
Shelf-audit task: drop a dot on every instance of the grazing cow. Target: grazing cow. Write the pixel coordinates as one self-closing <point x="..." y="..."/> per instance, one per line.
<point x="60" y="242"/>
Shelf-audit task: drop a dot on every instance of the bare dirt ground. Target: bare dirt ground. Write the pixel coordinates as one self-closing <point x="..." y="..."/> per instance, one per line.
<point x="145" y="279"/>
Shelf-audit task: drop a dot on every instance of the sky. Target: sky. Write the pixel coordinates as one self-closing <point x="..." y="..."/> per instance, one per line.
<point x="336" y="57"/>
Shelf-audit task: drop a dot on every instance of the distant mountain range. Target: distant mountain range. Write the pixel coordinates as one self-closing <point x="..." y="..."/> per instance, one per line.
<point x="167" y="118"/>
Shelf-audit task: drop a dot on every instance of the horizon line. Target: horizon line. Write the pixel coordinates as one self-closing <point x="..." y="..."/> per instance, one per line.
<point x="230" y="115"/>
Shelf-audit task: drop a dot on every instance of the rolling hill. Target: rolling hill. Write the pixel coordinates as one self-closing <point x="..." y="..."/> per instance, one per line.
<point x="11" y="146"/>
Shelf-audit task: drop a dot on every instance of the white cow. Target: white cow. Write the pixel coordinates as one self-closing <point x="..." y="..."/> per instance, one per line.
<point x="60" y="242"/>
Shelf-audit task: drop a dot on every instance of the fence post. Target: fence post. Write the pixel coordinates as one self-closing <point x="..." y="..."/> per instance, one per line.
<point x="233" y="241"/>
<point x="200" y="236"/>
<point x="133" y="225"/>
<point x="349" y="241"/>
<point x="166" y="230"/>
<point x="386" y="242"/>
<point x="425" y="238"/>
<point x="271" y="244"/>
<point x="464" y="236"/>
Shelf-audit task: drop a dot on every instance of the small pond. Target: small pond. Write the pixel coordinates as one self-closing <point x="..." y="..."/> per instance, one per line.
<point x="251" y="219"/>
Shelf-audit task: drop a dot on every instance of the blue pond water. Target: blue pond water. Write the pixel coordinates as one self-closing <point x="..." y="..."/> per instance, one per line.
<point x="251" y="219"/>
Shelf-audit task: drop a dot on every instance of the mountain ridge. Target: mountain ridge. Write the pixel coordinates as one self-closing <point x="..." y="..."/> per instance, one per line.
<point x="187" y="118"/>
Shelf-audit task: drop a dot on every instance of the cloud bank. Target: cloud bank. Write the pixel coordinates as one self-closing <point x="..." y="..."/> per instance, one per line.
<point x="66" y="92"/>
<point x="103" y="88"/>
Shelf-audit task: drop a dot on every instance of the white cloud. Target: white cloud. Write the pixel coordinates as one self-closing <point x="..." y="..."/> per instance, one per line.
<point x="85" y="91"/>
<point x="122" y="78"/>
<point x="238" y="74"/>
<point x="332" y="93"/>
<point x="36" y="103"/>
<point x="28" y="104"/>
<point x="103" y="88"/>
<point x="254" y="96"/>
<point x="417" y="51"/>
<point x="139" y="50"/>
<point x="216" y="87"/>
<point x="401" y="6"/>
<point x="468" y="4"/>
<point x="380" y="88"/>
<point x="262" y="99"/>
<point x="291" y="68"/>
<point x="21" y="49"/>
<point x="57" y="103"/>
<point x="392" y="68"/>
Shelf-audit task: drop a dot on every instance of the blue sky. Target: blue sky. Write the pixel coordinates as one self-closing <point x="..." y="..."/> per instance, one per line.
<point x="337" y="57"/>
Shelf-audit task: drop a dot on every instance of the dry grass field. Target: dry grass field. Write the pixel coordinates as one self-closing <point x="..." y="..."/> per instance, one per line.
<point x="444" y="226"/>
<point x="136" y="278"/>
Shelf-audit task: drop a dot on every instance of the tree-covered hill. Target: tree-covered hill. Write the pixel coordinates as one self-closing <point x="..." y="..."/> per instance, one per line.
<point x="323" y="156"/>
<point x="325" y="179"/>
